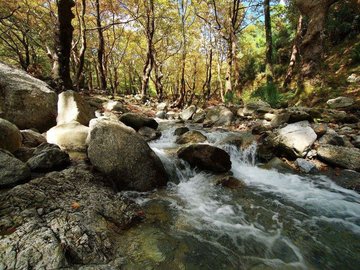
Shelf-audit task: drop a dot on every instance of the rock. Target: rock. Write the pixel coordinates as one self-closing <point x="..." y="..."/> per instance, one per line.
<point x="24" y="153"/>
<point x="340" y="102"/>
<point x="137" y="121"/>
<point x="69" y="137"/>
<point x="25" y="101"/>
<point x="161" y="115"/>
<point x="296" y="139"/>
<point x="124" y="157"/>
<point x="331" y="137"/>
<point x="10" y="136"/>
<point x="345" y="157"/>
<point x="240" y="139"/>
<point x="218" y="116"/>
<point x="12" y="170"/>
<point x="187" y="113"/>
<point x="336" y="116"/>
<point x="353" y="78"/>
<point x="199" y="116"/>
<point x="192" y="136"/>
<point x="47" y="158"/>
<point x="269" y="116"/>
<point x="280" y="119"/>
<point x="298" y="114"/>
<point x="180" y="131"/>
<point x="116" y="106"/>
<point x="171" y="115"/>
<point x="279" y="165"/>
<point x="347" y="179"/>
<point x="31" y="138"/>
<point x="206" y="157"/>
<point x="305" y="165"/>
<point x="356" y="141"/>
<point x="163" y="106"/>
<point x="72" y="107"/>
<point x="256" y="107"/>
<point x="230" y="182"/>
<point x="64" y="220"/>
<point x="149" y="134"/>
<point x="320" y="129"/>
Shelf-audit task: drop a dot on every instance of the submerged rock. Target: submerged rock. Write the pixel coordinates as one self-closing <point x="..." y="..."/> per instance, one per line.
<point x="12" y="170"/>
<point x="230" y="182"/>
<point x="10" y="136"/>
<point x="25" y="101"/>
<point x="137" y="121"/>
<point x="64" y="220"/>
<point x="192" y="136"/>
<point x="180" y="131"/>
<point x="124" y="157"/>
<point x="206" y="157"/>
<point x="346" y="157"/>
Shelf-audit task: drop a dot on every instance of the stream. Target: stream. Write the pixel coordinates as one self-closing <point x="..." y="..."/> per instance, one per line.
<point x="277" y="221"/>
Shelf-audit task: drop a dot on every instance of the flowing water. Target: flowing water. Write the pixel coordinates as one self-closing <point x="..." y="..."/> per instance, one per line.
<point x="277" y="221"/>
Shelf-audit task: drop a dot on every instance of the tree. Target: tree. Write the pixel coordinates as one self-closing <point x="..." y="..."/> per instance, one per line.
<point x="312" y="45"/>
<point x="101" y="47"/>
<point x="63" y="39"/>
<point x="269" y="47"/>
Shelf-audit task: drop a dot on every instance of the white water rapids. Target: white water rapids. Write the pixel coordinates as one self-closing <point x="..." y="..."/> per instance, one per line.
<point x="279" y="221"/>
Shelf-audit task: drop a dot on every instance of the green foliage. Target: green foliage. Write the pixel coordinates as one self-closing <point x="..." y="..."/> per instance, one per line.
<point x="265" y="92"/>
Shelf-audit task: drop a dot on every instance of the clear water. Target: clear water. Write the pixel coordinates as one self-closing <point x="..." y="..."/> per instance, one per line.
<point x="278" y="221"/>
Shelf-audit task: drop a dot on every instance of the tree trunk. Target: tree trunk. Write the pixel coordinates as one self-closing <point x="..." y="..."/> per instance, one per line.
<point x="312" y="44"/>
<point x="158" y="80"/>
<point x="79" y="72"/>
<point x="294" y="53"/>
<point x="269" y="47"/>
<point x="101" y="47"/>
<point x="63" y="38"/>
<point x="229" y="69"/>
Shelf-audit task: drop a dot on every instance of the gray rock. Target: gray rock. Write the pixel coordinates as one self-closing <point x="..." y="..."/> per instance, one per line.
<point x="256" y="107"/>
<point x="69" y="137"/>
<point x="192" y="136"/>
<point x="149" y="134"/>
<point x="31" y="138"/>
<point x="239" y="139"/>
<point x="10" y="136"/>
<point x="280" y="119"/>
<point x="353" y="78"/>
<point x="116" y="106"/>
<point x="24" y="153"/>
<point x="163" y="106"/>
<point x="161" y="114"/>
<point x="180" y="131"/>
<point x="331" y="137"/>
<point x="279" y="165"/>
<point x="305" y="165"/>
<point x="188" y="113"/>
<point x="25" y="101"/>
<point x="206" y="157"/>
<point x="356" y="141"/>
<point x="171" y="115"/>
<point x="12" y="170"/>
<point x="295" y="140"/>
<point x="345" y="157"/>
<point x="340" y="102"/>
<point x="218" y="116"/>
<point x="64" y="220"/>
<point x="72" y="107"/>
<point x="124" y="157"/>
<point x="48" y="157"/>
<point x="298" y="114"/>
<point x="199" y="116"/>
<point x="137" y="121"/>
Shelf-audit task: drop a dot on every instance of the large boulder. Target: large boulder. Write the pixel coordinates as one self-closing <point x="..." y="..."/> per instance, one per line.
<point x="218" y="116"/>
<point x="206" y="157"/>
<point x="340" y="102"/>
<point x="31" y="138"/>
<point x="137" y="121"/>
<point x="25" y="101"/>
<point x="10" y="136"/>
<point x="346" y="157"/>
<point x="69" y="137"/>
<point x="188" y="113"/>
<point x="72" y="107"/>
<point x="12" y="170"/>
<point x="149" y="134"/>
<point x="65" y="220"/>
<point x="295" y="140"/>
<point x="192" y="136"/>
<point x="47" y="158"/>
<point x="331" y="137"/>
<point x="124" y="157"/>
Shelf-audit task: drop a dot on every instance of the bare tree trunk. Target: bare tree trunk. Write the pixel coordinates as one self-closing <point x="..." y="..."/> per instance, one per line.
<point x="229" y="69"/>
<point x="158" y="80"/>
<point x="63" y="38"/>
<point x="294" y="53"/>
<point x="207" y="83"/>
<point x="101" y="47"/>
<point x="269" y="46"/>
<point x="79" y="73"/>
<point x="312" y="44"/>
